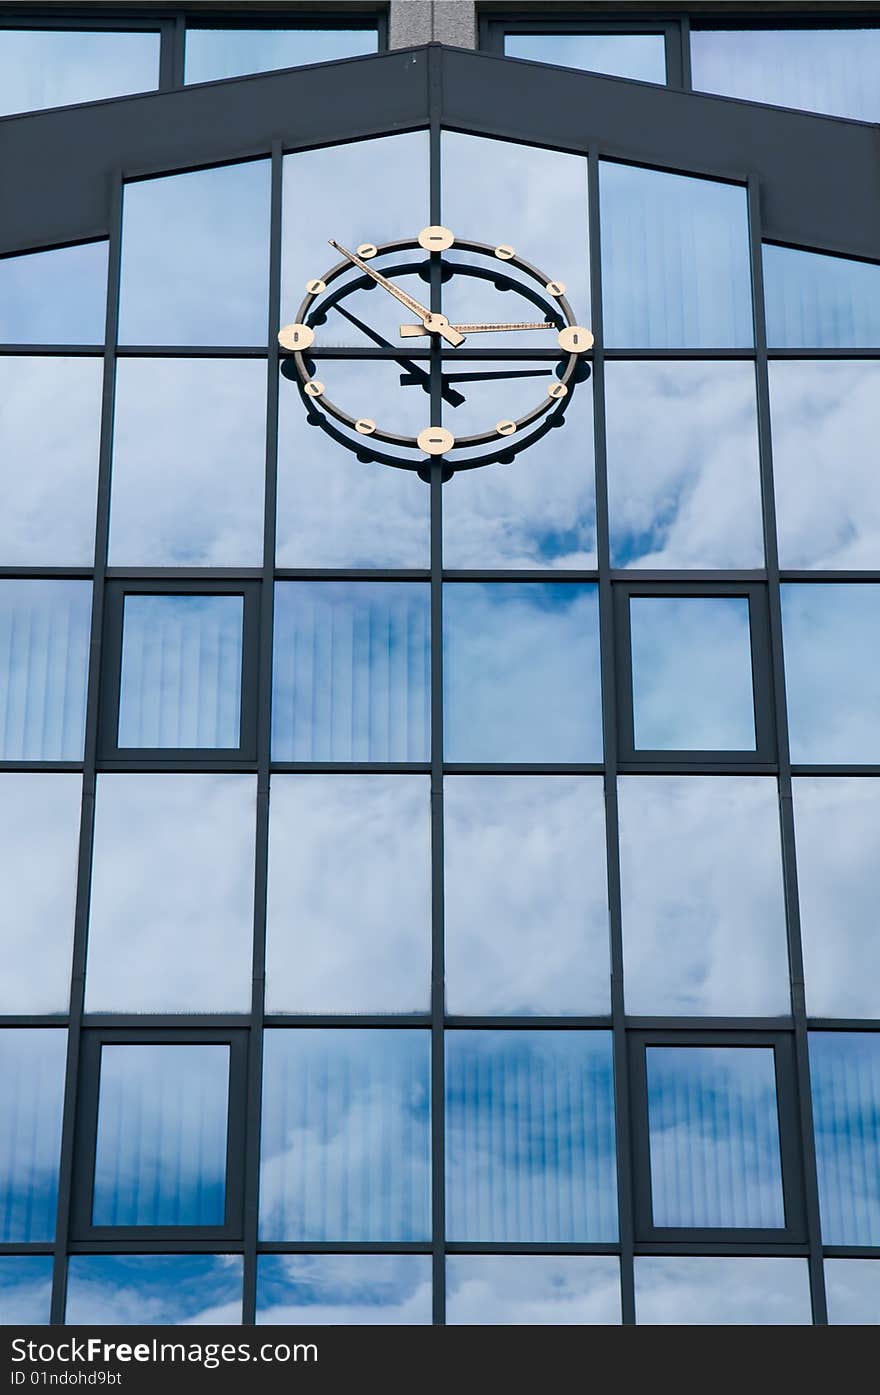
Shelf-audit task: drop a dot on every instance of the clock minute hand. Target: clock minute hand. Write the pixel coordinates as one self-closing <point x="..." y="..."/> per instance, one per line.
<point x="415" y="331"/>
<point x="433" y="324"/>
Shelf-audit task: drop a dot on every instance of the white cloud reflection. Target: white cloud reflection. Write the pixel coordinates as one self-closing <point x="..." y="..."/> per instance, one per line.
<point x="344" y="1290"/>
<point x="154" y="1290"/>
<point x="852" y="1287"/>
<point x="25" y="1290"/>
<point x="700" y="1289"/>
<point x="832" y="675"/>
<point x="532" y="1290"/>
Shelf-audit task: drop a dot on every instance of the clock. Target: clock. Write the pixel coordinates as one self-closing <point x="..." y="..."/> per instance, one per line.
<point x="573" y="340"/>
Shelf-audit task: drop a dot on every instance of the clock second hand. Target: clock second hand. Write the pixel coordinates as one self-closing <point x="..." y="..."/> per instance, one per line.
<point x="432" y="324"/>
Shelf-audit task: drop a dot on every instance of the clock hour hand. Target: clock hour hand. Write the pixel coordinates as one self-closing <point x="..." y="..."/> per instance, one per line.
<point x="416" y="331"/>
<point x="431" y="324"/>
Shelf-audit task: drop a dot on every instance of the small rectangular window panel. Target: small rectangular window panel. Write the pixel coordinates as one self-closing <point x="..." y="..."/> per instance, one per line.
<point x="717" y="1290"/>
<point x="845" y="1075"/>
<point x="153" y="1290"/>
<point x="344" y="1290"/>
<point x="32" y="1068"/>
<point x="212" y="54"/>
<point x="44" y="656"/>
<point x="25" y="1290"/>
<point x="852" y="1288"/>
<point x="54" y="297"/>
<point x="814" y="301"/>
<point x="832" y="673"/>
<point x="532" y="1290"/>
<point x="641" y="57"/>
<point x="57" y="67"/>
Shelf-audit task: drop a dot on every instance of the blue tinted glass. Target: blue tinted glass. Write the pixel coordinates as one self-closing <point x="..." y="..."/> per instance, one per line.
<point x="713" y="1120"/>
<point x="344" y="1290"/>
<point x="722" y="1291"/>
<point x="153" y="1290"/>
<point x="528" y="1290"/>
<point x="675" y="260"/>
<point x="692" y="673"/>
<point x="638" y="56"/>
<point x="345" y="1138"/>
<point x="54" y="297"/>
<point x="32" y="1062"/>
<point x="832" y="673"/>
<point x="845" y="1073"/>
<point x="852" y="1287"/>
<point x="813" y="301"/>
<point x="46" y="68"/>
<point x="160" y="1155"/>
<point x="181" y="671"/>
<point x="530" y="1137"/>
<point x="351" y="671"/>
<point x="25" y="1289"/>
<point x="521" y="672"/>
<point x="226" y="53"/>
<point x="44" y="655"/>
<point x="827" y="70"/>
<point x="195" y="258"/>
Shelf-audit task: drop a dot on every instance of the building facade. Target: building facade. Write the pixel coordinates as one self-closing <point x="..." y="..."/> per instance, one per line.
<point x="439" y="765"/>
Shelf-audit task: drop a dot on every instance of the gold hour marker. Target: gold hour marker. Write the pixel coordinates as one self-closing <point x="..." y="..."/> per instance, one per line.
<point x="557" y="391"/>
<point x="365" y="425"/>
<point x="505" y="428"/>
<point x="504" y="252"/>
<point x="575" y="339"/>
<point x="296" y="337"/>
<point x="367" y="250"/>
<point x="316" y="287"/>
<point x="314" y="388"/>
<point x="435" y="440"/>
<point x="436" y="238"/>
<point x="556" y="288"/>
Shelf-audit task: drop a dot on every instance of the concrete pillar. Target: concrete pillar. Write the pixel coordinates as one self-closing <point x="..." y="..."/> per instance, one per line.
<point x="414" y="22"/>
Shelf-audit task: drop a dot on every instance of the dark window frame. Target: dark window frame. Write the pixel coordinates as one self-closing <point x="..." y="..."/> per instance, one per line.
<point x="494" y="29"/>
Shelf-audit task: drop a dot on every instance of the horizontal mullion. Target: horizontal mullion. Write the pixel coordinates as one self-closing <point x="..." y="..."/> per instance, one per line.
<point x="315" y="1019"/>
<point x="843" y="1024"/>
<point x="675" y="354"/>
<point x="816" y="769"/>
<point x="822" y="353"/>
<point x="851" y="1251"/>
<point x="44" y="573"/>
<point x="192" y="351"/>
<point x="637" y="576"/>
<point x="342" y="767"/>
<point x="41" y="1247"/>
<point x="530" y="574"/>
<point x="500" y="768"/>
<point x="52" y="350"/>
<point x="42" y="767"/>
<point x="574" y="1247"/>
<point x="162" y="1021"/>
<point x="824" y="576"/>
<point x="43" y="1019"/>
<point x="160" y="575"/>
<point x="528" y="1023"/>
<point x="703" y="1025"/>
<point x="722" y="1247"/>
<point x="344" y="1247"/>
<point x="130" y="1245"/>
<point x="352" y="574"/>
<point x="707" y="766"/>
<point x="166" y="765"/>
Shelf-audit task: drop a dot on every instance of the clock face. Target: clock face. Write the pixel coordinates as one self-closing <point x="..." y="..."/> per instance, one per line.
<point x="430" y="330"/>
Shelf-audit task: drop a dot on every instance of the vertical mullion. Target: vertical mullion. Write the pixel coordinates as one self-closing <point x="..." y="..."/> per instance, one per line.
<point x="609" y="725"/>
<point x="786" y="811"/>
<point x="173" y="60"/>
<point x="263" y="681"/>
<point x="685" y="49"/>
<point x="87" y="818"/>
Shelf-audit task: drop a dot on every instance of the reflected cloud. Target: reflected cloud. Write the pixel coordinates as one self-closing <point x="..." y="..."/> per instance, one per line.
<point x="852" y="1287"/>
<point x="525" y="1291"/>
<point x="815" y="301"/>
<point x="45" y="68"/>
<point x="32" y="1067"/>
<point x="641" y="57"/>
<point x="845" y="1078"/>
<point x="154" y="1290"/>
<point x="54" y="297"/>
<point x="832" y="676"/>
<point x="700" y="1289"/>
<point x="25" y="1290"/>
<point x="225" y="53"/>
<point x="344" y="1290"/>
<point x="44" y="653"/>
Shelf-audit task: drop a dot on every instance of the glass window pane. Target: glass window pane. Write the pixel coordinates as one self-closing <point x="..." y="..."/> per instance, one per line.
<point x="32" y="1065"/>
<point x="44" y="655"/>
<point x="530" y="1137"/>
<point x="852" y="1288"/>
<point x="713" y="1120"/>
<point x="153" y="1290"/>
<point x="345" y="1138"/>
<point x="814" y="301"/>
<point x="172" y="884"/>
<point x="521" y="672"/>
<point x="528" y="1290"/>
<point x="344" y="1290"/>
<point x="675" y="260"/>
<point x="692" y="673"/>
<point x="195" y="258"/>
<point x="54" y="297"/>
<point x="832" y="677"/>
<point x="837" y="823"/>
<point x="39" y="853"/>
<point x="826" y="70"/>
<point x="638" y="56"/>
<point x="54" y="68"/>
<point x="351" y="671"/>
<point x="683" y="480"/>
<point x="333" y="509"/>
<point x="526" y="900"/>
<point x="845" y="1072"/>
<point x="180" y="682"/>
<point x="826" y="424"/>
<point x="25" y="1290"/>
<point x="189" y="463"/>
<point x="50" y="426"/>
<point x="720" y="1291"/>
<point x="349" y="899"/>
<point x="227" y="53"/>
<point x="701" y="896"/>
<point x="160" y="1156"/>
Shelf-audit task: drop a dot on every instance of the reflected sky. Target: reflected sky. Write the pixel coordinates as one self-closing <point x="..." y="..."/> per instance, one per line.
<point x="44" y="653"/>
<point x="344" y="1290"/>
<point x="852" y="1288"/>
<point x="54" y="297"/>
<point x="527" y="1290"/>
<point x="675" y="260"/>
<point x="845" y="1076"/>
<point x="826" y="423"/>
<point x="530" y="1137"/>
<point x="701" y="896"/>
<point x="832" y="676"/>
<point x="39" y="847"/>
<point x="815" y="301"/>
<point x="526" y="901"/>
<point x="195" y="257"/>
<point x="46" y="68"/>
<point x="172" y="853"/>
<point x="837" y="825"/>
<point x="226" y="53"/>
<point x="50" y="422"/>
<point x="692" y="673"/>
<point x="32" y="1062"/>
<point x="345" y="1135"/>
<point x="160" y="1150"/>
<point x="189" y="463"/>
<point x="25" y="1289"/>
<point x="349" y="899"/>
<point x="716" y="1290"/>
<point x="638" y="56"/>
<point x="521" y="672"/>
<point x="153" y="1290"/>
<point x="683" y="481"/>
